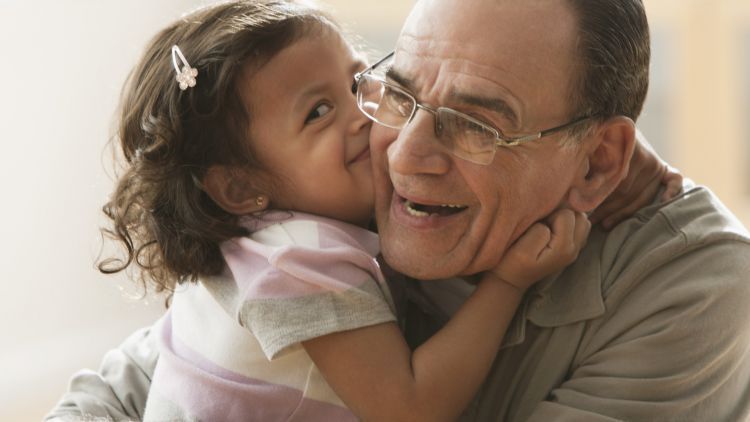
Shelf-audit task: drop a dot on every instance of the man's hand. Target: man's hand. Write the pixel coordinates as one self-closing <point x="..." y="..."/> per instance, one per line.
<point x="646" y="176"/>
<point x="544" y="249"/>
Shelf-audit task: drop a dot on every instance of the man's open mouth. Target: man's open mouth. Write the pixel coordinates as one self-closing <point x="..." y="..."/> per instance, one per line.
<point x="421" y="210"/>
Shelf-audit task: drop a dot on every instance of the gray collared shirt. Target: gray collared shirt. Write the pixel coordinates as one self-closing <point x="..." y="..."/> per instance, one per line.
<point x="651" y="323"/>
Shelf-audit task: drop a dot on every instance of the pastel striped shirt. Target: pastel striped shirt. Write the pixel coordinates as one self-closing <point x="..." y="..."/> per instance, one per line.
<point x="230" y="346"/>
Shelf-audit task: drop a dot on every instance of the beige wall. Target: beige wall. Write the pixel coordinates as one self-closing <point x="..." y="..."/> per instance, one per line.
<point x="716" y="114"/>
<point x="62" y="67"/>
<point x="709" y="98"/>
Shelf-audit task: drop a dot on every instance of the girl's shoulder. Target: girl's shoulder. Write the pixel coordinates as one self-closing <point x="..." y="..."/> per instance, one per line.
<point x="301" y="230"/>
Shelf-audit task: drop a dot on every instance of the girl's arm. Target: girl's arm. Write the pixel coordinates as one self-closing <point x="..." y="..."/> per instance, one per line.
<point x="647" y="174"/>
<point x="375" y="373"/>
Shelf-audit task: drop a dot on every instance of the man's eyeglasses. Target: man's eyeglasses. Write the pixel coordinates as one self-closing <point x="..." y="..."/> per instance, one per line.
<point x="464" y="136"/>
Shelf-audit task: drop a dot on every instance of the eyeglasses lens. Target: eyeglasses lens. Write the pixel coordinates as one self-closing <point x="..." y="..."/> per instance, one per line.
<point x="384" y="104"/>
<point x="465" y="138"/>
<point x="392" y="107"/>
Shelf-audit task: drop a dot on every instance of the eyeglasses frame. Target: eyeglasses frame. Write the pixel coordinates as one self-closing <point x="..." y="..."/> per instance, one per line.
<point x="500" y="139"/>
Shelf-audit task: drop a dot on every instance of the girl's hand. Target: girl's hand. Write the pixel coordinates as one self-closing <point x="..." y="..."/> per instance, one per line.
<point x="646" y="176"/>
<point x="543" y="249"/>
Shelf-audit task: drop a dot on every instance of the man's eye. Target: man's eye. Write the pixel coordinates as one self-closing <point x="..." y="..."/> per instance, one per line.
<point x="319" y="111"/>
<point x="398" y="102"/>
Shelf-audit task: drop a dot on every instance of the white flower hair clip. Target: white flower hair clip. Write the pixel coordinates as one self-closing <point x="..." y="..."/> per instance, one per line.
<point x="185" y="76"/>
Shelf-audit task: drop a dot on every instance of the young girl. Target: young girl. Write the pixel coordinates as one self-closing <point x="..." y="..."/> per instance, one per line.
<point x="246" y="191"/>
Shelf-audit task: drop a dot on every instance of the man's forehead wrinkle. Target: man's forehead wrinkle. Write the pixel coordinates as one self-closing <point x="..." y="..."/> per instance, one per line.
<point x="426" y="46"/>
<point x="411" y="37"/>
<point x="443" y="73"/>
<point x="498" y="105"/>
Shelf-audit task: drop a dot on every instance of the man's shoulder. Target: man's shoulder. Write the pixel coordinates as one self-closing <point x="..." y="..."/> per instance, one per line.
<point x="699" y="216"/>
<point x="694" y="223"/>
<point x="694" y="218"/>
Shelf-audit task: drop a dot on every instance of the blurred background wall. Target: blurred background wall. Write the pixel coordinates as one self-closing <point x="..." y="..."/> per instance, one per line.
<point x="62" y="63"/>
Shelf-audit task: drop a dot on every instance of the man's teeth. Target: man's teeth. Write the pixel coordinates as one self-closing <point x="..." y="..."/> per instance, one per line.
<point x="413" y="211"/>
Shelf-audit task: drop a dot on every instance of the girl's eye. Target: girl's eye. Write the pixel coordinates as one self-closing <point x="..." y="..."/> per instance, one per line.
<point x="319" y="111"/>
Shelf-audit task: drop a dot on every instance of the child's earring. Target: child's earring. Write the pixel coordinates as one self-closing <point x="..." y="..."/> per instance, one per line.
<point x="261" y="203"/>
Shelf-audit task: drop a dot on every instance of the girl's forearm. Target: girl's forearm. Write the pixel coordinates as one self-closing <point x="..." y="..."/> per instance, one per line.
<point x="379" y="378"/>
<point x="449" y="367"/>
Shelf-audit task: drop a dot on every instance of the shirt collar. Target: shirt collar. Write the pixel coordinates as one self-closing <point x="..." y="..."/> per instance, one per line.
<point x="571" y="296"/>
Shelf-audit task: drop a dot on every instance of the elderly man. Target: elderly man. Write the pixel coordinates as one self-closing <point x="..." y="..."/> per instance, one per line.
<point x="650" y="323"/>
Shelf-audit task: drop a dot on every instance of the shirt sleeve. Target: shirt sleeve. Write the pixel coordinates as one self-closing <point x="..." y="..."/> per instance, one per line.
<point x="119" y="390"/>
<point x="310" y="292"/>
<point x="676" y="347"/>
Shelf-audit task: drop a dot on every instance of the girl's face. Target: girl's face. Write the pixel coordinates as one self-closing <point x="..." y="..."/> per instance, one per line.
<point x="308" y="131"/>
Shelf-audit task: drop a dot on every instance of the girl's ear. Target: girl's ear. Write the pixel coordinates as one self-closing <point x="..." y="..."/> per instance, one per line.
<point x="232" y="191"/>
<point x="608" y="150"/>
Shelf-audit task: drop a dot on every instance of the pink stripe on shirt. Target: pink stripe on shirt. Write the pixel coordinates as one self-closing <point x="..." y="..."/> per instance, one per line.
<point x="212" y="393"/>
<point x="339" y="258"/>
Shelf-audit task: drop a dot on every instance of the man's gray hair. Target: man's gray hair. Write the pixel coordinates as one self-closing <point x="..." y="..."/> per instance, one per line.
<point x="613" y="45"/>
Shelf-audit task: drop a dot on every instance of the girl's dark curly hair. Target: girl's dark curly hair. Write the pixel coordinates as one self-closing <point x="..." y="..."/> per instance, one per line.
<point x="166" y="224"/>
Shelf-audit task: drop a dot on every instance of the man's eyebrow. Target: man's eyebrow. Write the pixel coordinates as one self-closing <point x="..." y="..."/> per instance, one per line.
<point x="400" y="79"/>
<point x="494" y="104"/>
<point x="497" y="105"/>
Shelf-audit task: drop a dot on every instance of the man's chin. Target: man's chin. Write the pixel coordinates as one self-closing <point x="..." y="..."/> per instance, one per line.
<point x="420" y="267"/>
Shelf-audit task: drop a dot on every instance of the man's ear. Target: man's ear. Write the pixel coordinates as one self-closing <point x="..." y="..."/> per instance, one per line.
<point x="608" y="150"/>
<point x="231" y="189"/>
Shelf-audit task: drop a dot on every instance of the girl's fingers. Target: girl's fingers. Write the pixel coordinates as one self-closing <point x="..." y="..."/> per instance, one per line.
<point x="521" y="264"/>
<point x="544" y="248"/>
<point x="532" y="242"/>
<point x="582" y="229"/>
<point x="673" y="181"/>
<point x="562" y="237"/>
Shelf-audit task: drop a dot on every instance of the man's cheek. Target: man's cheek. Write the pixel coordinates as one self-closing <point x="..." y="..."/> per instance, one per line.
<point x="381" y="138"/>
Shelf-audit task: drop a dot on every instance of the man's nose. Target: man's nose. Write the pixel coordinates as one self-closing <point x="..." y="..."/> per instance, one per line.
<point x="417" y="150"/>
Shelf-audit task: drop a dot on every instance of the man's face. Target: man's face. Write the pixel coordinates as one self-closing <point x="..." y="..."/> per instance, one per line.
<point x="508" y="63"/>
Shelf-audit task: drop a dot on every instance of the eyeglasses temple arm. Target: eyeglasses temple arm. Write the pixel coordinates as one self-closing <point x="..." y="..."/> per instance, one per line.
<point x="535" y="136"/>
<point x="565" y="126"/>
<point x="359" y="74"/>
